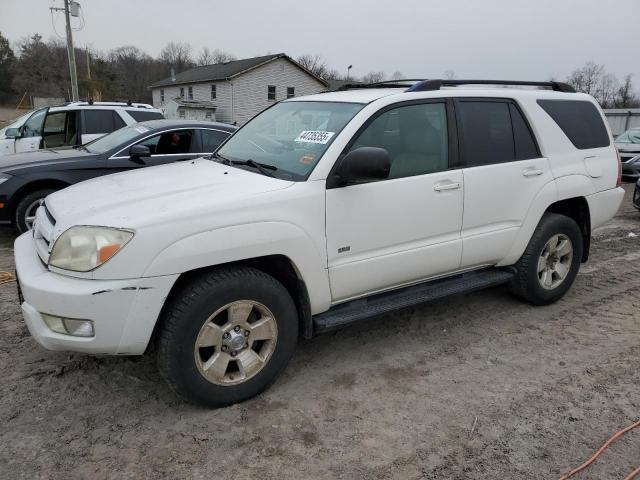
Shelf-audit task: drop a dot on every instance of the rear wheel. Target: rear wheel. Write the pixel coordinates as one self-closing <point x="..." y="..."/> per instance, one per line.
<point x="549" y="265"/>
<point x="226" y="336"/>
<point x="27" y="206"/>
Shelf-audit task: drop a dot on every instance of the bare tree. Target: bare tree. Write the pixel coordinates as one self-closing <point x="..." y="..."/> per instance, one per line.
<point x="603" y="86"/>
<point x="586" y="79"/>
<point x="373" y="77"/>
<point x="177" y="55"/>
<point x="397" y="75"/>
<point x="210" y="57"/>
<point x="314" y="63"/>
<point x="625" y="97"/>
<point x="449" y="74"/>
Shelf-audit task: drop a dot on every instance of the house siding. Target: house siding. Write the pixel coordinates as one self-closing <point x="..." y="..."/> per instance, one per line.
<point x="247" y="91"/>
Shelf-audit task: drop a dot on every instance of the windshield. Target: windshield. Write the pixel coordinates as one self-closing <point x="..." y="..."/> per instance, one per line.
<point x="291" y="136"/>
<point x="630" y="136"/>
<point x="115" y="139"/>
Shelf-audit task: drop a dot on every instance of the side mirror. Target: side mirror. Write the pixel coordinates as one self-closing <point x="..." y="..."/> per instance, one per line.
<point x="364" y="164"/>
<point x="138" y="152"/>
<point x="12" y="133"/>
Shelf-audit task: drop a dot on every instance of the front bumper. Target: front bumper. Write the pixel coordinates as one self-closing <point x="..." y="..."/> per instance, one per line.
<point x="124" y="312"/>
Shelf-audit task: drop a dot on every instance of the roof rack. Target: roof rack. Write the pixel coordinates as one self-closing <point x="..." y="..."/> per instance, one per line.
<point x="427" y="85"/>
<point x="423" y="85"/>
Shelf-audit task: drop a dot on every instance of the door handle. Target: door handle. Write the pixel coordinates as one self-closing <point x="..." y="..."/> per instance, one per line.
<point x="532" y="172"/>
<point x="440" y="187"/>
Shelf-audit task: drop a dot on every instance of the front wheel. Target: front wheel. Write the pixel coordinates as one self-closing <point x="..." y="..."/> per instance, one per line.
<point x="226" y="336"/>
<point x="549" y="265"/>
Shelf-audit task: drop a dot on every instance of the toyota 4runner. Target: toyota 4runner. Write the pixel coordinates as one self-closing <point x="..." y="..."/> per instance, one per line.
<point x="321" y="211"/>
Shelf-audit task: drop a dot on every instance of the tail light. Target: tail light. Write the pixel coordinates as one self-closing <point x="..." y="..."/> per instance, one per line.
<point x="619" y="181"/>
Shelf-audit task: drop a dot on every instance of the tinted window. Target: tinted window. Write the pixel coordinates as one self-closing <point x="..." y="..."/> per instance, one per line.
<point x="580" y="121"/>
<point x="169" y="143"/>
<point x="98" y="121"/>
<point x="525" y="144"/>
<point x="486" y="132"/>
<point x="415" y="137"/>
<point x="142" y="116"/>
<point x="117" y="121"/>
<point x="211" y="139"/>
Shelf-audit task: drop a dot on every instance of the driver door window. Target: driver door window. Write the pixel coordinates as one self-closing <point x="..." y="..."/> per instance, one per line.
<point x="31" y="132"/>
<point x="170" y="147"/>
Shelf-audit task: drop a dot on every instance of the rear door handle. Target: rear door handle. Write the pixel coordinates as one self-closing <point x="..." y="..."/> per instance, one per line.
<point x="532" y="172"/>
<point x="440" y="187"/>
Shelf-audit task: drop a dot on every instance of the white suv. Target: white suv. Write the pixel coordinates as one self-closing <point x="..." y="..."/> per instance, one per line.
<point x="321" y="211"/>
<point x="72" y="124"/>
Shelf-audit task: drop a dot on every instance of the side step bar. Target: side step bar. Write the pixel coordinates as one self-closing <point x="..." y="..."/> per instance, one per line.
<point x="360" y="309"/>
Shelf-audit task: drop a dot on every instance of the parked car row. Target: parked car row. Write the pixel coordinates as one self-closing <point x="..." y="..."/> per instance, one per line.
<point x="27" y="178"/>
<point x="628" y="145"/>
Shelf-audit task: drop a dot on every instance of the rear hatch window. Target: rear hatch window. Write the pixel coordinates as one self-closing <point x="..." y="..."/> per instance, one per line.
<point x="142" y="116"/>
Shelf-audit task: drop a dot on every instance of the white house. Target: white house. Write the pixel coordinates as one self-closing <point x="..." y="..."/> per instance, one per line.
<point x="235" y="91"/>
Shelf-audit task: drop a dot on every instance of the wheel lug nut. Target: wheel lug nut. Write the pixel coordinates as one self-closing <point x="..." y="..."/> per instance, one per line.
<point x="224" y="348"/>
<point x="246" y="333"/>
<point x="226" y="335"/>
<point x="236" y="328"/>
<point x="233" y="354"/>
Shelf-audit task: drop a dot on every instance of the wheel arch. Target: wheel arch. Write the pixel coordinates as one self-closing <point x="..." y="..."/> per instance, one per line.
<point x="33" y="186"/>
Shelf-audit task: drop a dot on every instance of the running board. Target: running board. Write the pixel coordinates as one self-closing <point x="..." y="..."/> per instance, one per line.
<point x="360" y="309"/>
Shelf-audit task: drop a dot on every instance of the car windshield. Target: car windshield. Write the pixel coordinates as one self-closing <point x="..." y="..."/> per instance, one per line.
<point x="290" y="136"/>
<point x="630" y="136"/>
<point x="115" y="139"/>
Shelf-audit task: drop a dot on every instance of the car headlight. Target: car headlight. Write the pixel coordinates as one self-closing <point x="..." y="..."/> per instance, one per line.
<point x="82" y="249"/>
<point x="4" y="177"/>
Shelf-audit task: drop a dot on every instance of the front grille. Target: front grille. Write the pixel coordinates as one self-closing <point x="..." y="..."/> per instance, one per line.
<point x="43" y="233"/>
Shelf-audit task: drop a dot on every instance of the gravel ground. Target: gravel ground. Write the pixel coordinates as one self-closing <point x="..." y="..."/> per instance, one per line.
<point x="395" y="397"/>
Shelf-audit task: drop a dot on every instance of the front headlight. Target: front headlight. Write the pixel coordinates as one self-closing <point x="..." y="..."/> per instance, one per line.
<point x="82" y="249"/>
<point x="4" y="177"/>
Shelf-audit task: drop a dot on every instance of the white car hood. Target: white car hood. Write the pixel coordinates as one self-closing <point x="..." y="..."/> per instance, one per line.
<point x="156" y="194"/>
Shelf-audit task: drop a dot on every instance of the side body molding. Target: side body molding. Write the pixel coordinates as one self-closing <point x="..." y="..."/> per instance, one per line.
<point x="241" y="242"/>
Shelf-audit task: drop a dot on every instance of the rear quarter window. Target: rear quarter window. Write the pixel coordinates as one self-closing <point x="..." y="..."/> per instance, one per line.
<point x="142" y="116"/>
<point x="580" y="121"/>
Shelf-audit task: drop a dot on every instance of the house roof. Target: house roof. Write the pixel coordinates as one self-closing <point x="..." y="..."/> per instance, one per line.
<point x="224" y="71"/>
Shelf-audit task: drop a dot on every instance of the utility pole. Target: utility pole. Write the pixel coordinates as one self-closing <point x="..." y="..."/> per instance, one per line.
<point x="70" y="52"/>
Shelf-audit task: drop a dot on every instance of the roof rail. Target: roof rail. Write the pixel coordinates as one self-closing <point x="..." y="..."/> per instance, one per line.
<point x="437" y="84"/>
<point x="400" y="83"/>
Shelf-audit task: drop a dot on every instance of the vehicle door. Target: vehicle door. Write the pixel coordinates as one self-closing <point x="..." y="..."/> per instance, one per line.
<point x="503" y="172"/>
<point x="405" y="228"/>
<point x="31" y="132"/>
<point x="166" y="147"/>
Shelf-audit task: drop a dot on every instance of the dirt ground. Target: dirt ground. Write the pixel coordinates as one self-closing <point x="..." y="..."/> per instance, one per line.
<point x="8" y="114"/>
<point x="395" y="397"/>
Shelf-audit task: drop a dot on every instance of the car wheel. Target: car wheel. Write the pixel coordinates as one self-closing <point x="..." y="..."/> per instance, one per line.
<point x="226" y="335"/>
<point x="26" y="209"/>
<point x="551" y="261"/>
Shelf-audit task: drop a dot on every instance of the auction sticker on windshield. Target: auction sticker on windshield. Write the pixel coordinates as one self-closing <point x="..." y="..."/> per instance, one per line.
<point x="310" y="136"/>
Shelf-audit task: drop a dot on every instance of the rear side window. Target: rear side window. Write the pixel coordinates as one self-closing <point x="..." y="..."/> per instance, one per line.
<point x="579" y="120"/>
<point x="118" y="123"/>
<point x="142" y="116"/>
<point x="211" y="139"/>
<point x="526" y="146"/>
<point x="487" y="136"/>
<point x="98" y="121"/>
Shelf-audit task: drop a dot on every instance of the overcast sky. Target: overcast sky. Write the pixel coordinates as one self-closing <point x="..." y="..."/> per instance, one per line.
<point x="511" y="39"/>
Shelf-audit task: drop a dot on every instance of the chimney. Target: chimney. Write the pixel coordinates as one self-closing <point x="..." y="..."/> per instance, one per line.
<point x="173" y="74"/>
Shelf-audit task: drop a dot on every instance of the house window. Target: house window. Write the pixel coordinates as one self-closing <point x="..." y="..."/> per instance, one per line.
<point x="181" y="113"/>
<point x="190" y="93"/>
<point x="181" y="92"/>
<point x="207" y="115"/>
<point x="213" y="92"/>
<point x="271" y="92"/>
<point x="291" y="92"/>
<point x="161" y="96"/>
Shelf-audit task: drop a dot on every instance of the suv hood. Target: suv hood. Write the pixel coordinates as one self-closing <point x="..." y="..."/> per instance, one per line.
<point x="151" y="195"/>
<point x="16" y="161"/>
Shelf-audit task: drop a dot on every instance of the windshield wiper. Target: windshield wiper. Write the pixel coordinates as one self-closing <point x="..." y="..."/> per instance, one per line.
<point x="263" y="168"/>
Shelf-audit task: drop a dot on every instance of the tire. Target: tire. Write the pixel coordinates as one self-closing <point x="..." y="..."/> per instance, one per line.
<point x="208" y="307"/>
<point x="546" y="286"/>
<point x="25" y="208"/>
